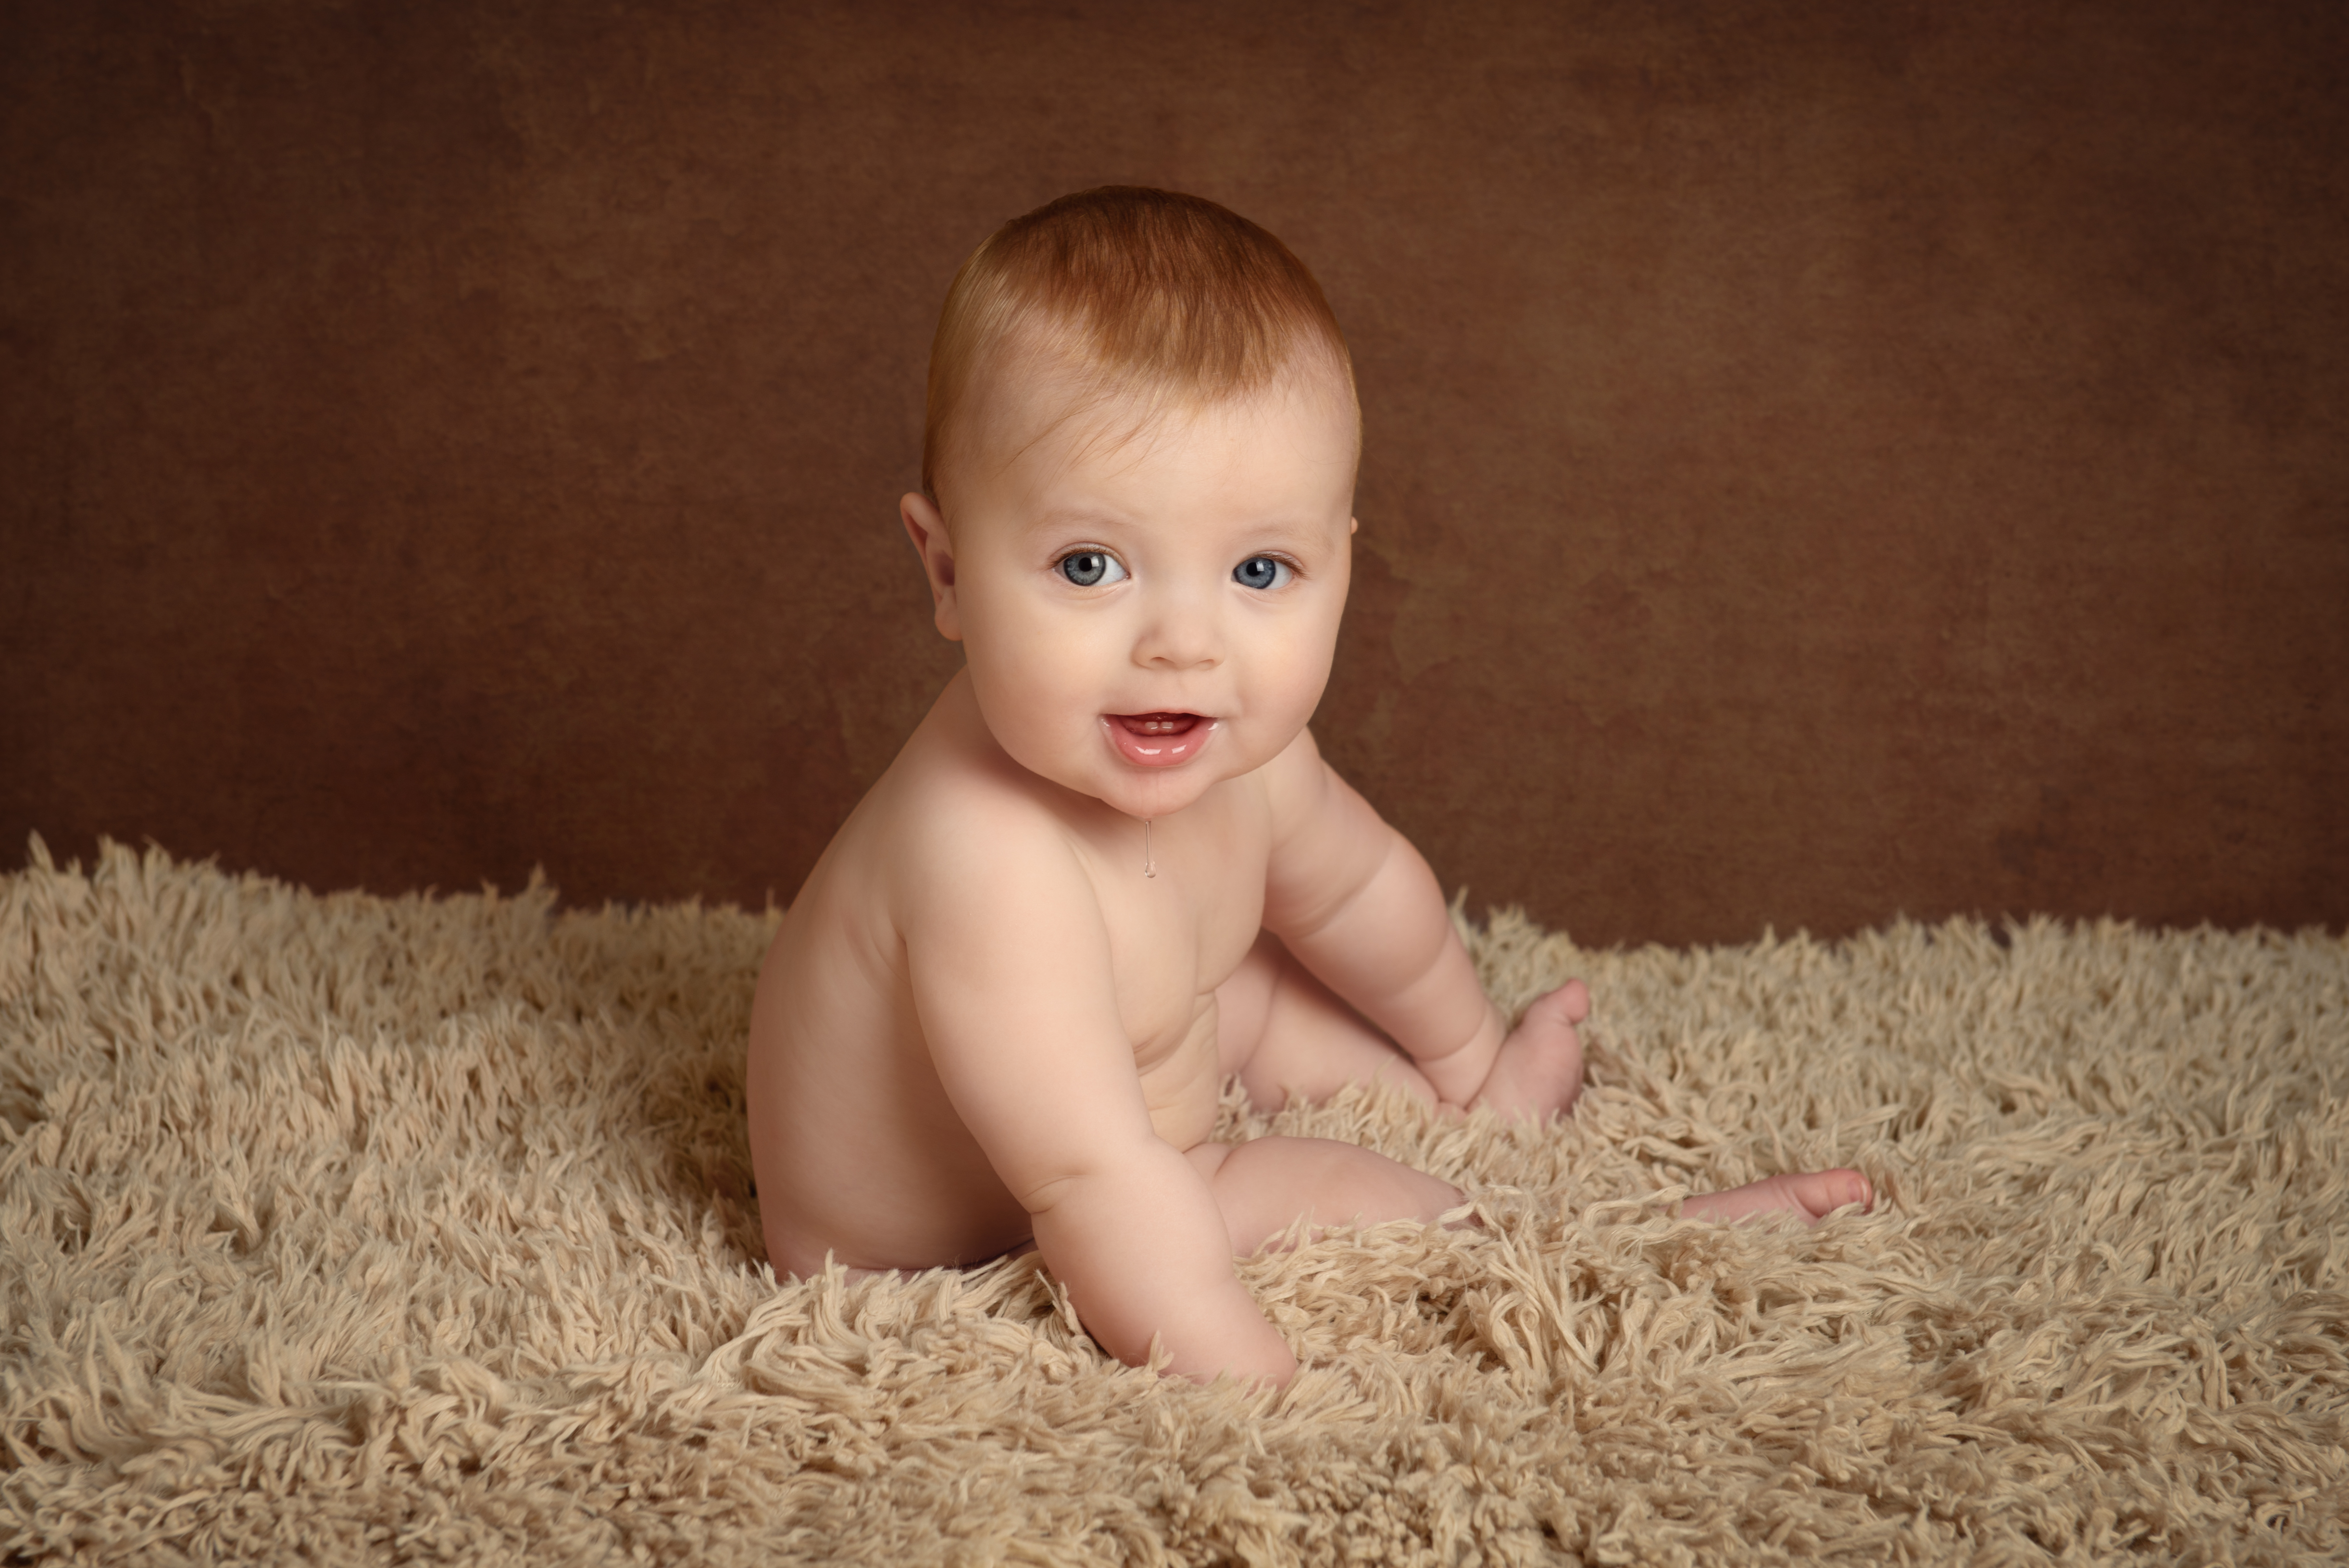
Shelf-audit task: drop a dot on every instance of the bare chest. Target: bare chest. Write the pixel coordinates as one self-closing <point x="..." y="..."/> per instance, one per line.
<point x="1182" y="912"/>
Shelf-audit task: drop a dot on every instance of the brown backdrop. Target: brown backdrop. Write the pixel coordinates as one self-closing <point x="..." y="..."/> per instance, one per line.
<point x="1825" y="460"/>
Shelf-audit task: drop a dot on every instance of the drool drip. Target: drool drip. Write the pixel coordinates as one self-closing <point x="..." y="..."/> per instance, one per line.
<point x="1148" y="870"/>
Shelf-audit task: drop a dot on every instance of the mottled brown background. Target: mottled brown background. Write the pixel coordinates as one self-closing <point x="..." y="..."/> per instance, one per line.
<point x="1825" y="460"/>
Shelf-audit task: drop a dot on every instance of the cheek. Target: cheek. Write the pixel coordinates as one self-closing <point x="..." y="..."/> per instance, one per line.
<point x="1293" y="666"/>
<point x="1311" y="678"/>
<point x="1031" y="669"/>
<point x="1316" y="644"/>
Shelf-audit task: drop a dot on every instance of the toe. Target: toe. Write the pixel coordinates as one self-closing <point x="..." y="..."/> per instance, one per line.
<point x="1841" y="1188"/>
<point x="1568" y="1005"/>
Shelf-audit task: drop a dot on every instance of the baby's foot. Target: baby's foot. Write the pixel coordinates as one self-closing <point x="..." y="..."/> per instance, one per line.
<point x="1539" y="1068"/>
<point x="1809" y="1195"/>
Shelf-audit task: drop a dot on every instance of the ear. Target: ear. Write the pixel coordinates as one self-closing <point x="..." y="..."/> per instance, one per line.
<point x="928" y="528"/>
<point x="1353" y="525"/>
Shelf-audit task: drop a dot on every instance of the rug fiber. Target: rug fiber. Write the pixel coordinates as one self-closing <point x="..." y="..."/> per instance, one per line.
<point x="355" y="1229"/>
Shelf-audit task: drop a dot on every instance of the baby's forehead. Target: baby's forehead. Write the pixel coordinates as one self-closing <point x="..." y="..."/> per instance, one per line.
<point x="1023" y="399"/>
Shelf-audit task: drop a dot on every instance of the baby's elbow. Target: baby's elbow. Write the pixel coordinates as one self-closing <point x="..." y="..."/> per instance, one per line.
<point x="1118" y="1168"/>
<point x="1049" y="1186"/>
<point x="1050" y="1193"/>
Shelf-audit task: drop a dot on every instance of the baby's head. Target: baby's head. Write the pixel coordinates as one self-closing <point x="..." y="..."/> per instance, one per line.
<point x="1139" y="469"/>
<point x="1124" y="295"/>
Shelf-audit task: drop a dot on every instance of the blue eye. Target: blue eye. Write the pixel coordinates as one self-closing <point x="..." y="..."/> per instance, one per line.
<point x="1263" y="571"/>
<point x="1091" y="568"/>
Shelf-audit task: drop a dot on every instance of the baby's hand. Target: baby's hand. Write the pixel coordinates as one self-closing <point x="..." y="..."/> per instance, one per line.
<point x="1539" y="1068"/>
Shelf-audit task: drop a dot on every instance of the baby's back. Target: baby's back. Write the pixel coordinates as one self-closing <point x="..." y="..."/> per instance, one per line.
<point x="858" y="1151"/>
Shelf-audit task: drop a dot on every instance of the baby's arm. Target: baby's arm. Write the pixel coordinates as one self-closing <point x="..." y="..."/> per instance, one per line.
<point x="1010" y="966"/>
<point x="1361" y="909"/>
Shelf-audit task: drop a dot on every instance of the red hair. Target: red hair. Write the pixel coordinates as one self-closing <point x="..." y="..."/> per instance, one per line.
<point x="1140" y="289"/>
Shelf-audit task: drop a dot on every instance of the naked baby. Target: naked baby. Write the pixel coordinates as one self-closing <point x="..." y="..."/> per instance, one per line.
<point x="1110" y="868"/>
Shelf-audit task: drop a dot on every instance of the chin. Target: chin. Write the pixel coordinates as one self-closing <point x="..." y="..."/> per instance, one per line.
<point x="1160" y="794"/>
<point x="1162" y="791"/>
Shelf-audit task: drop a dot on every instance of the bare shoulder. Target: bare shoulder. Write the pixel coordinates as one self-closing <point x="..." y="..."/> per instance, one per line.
<point x="965" y="836"/>
<point x="945" y="835"/>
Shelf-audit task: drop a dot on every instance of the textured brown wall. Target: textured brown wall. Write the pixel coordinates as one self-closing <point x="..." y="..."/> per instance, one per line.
<point x="1825" y="460"/>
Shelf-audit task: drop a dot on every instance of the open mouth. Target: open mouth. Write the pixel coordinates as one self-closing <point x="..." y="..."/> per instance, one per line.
<point x="1159" y="739"/>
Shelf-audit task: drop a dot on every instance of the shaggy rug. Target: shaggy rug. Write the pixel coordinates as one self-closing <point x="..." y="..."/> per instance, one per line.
<point x="407" y="1229"/>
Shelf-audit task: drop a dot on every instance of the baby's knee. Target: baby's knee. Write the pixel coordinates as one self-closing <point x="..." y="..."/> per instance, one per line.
<point x="1364" y="1185"/>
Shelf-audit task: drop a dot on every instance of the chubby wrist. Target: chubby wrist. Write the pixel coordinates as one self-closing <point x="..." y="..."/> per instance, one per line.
<point x="1143" y="1252"/>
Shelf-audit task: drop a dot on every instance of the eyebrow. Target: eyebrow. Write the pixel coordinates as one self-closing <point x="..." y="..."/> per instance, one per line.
<point x="1072" y="516"/>
<point x="1281" y="527"/>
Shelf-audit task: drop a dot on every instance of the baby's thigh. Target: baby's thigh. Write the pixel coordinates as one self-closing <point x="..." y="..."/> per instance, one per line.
<point x="1266" y="1184"/>
<point x="1286" y="1033"/>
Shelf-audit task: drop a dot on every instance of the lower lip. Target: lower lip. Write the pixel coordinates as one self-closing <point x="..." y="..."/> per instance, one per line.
<point x="1158" y="747"/>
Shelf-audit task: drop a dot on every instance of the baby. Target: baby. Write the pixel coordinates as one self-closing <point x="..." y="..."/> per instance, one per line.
<point x="1109" y="869"/>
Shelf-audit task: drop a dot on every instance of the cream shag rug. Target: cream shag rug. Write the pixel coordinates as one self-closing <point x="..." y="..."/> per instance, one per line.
<point x="412" y="1230"/>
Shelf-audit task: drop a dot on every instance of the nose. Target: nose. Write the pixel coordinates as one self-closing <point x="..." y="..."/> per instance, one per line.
<point x="1180" y="632"/>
